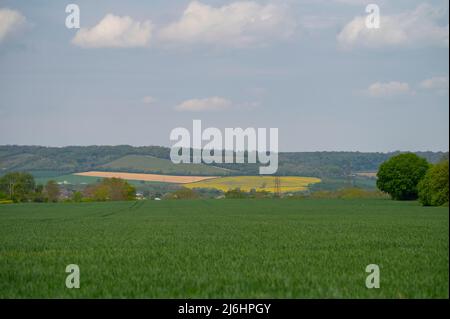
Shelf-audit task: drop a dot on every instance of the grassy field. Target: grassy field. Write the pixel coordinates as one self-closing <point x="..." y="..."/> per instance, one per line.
<point x="150" y="164"/>
<point x="259" y="183"/>
<point x="225" y="248"/>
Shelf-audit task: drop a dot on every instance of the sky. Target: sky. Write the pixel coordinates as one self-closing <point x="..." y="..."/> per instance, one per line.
<point x="135" y="70"/>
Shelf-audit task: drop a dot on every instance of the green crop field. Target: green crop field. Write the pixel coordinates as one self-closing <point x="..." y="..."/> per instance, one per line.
<point x="225" y="248"/>
<point x="69" y="179"/>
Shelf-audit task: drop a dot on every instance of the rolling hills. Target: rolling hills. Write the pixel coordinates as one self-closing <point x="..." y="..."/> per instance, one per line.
<point x="45" y="162"/>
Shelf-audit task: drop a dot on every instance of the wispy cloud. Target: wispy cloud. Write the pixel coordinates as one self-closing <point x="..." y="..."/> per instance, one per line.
<point x="148" y="99"/>
<point x="389" y="89"/>
<point x="207" y="104"/>
<point x="439" y="84"/>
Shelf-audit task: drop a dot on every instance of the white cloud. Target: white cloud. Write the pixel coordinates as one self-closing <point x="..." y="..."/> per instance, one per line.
<point x="207" y="104"/>
<point x="148" y="100"/>
<point x="115" y="32"/>
<point x="411" y="29"/>
<point x="239" y="24"/>
<point x="438" y="83"/>
<point x="388" y="89"/>
<point x="10" y="22"/>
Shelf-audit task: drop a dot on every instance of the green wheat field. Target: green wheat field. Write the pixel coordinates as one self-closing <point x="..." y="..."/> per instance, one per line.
<point x="225" y="249"/>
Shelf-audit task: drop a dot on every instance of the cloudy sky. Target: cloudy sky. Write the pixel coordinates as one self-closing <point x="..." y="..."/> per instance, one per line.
<point x="311" y="68"/>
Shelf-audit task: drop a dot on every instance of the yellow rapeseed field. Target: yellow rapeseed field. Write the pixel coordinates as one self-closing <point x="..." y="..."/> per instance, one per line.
<point x="259" y="183"/>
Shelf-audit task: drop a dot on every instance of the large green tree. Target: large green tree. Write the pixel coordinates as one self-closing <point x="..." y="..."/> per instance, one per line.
<point x="434" y="187"/>
<point x="52" y="191"/>
<point x="400" y="175"/>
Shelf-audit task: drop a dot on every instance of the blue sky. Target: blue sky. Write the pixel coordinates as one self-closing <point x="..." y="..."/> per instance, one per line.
<point x="136" y="70"/>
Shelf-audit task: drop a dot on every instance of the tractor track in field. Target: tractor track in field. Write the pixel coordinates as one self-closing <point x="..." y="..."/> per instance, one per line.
<point x="135" y="206"/>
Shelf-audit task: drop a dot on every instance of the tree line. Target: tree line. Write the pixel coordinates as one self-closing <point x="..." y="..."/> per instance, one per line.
<point x="20" y="187"/>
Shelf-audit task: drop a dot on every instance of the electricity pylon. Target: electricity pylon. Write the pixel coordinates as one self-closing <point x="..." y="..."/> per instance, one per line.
<point x="277" y="186"/>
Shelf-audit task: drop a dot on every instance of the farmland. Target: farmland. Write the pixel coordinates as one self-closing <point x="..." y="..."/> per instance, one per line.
<point x="245" y="183"/>
<point x="146" y="177"/>
<point x="259" y="183"/>
<point x="225" y="248"/>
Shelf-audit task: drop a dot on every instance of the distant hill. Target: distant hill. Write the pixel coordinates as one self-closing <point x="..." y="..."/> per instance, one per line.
<point x="69" y="159"/>
<point x="54" y="161"/>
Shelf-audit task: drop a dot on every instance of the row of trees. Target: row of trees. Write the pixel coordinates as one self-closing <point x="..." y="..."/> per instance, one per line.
<point x="114" y="189"/>
<point x="21" y="187"/>
<point x="236" y="193"/>
<point x="409" y="177"/>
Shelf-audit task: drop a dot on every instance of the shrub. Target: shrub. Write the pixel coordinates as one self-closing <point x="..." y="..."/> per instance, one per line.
<point x="208" y="192"/>
<point x="260" y="194"/>
<point x="184" y="193"/>
<point x="77" y="197"/>
<point x="235" y="194"/>
<point x="355" y="193"/>
<point x="348" y="193"/>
